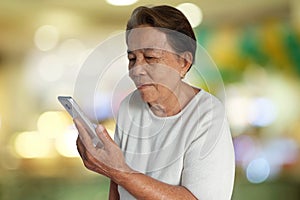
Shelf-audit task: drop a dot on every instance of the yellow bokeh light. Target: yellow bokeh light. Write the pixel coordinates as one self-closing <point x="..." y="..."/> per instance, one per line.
<point x="66" y="144"/>
<point x="33" y="145"/>
<point x="50" y="68"/>
<point x="121" y="2"/>
<point x="46" y="37"/>
<point x="53" y="123"/>
<point x="192" y="12"/>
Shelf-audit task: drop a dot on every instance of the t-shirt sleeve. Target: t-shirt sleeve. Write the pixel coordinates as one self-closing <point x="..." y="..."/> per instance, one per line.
<point x="210" y="177"/>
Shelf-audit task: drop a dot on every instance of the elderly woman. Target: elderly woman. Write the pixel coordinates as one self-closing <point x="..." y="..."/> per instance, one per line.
<point x="172" y="140"/>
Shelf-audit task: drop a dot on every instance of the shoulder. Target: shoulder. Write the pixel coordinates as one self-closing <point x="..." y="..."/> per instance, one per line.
<point x="206" y="110"/>
<point x="208" y="101"/>
<point x="212" y="123"/>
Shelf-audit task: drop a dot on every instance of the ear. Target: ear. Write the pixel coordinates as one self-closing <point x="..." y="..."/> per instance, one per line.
<point x="187" y="60"/>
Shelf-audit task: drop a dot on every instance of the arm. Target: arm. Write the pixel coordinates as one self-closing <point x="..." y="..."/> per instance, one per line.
<point x="109" y="161"/>
<point x="113" y="191"/>
<point x="145" y="187"/>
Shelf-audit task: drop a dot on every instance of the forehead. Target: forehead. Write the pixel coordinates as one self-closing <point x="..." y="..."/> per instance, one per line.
<point x="147" y="38"/>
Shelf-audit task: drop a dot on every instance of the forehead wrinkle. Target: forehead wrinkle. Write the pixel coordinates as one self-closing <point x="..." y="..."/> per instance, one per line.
<point x="152" y="50"/>
<point x="165" y="48"/>
<point x="148" y="38"/>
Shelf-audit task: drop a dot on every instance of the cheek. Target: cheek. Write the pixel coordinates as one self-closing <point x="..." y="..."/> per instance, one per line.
<point x="166" y="65"/>
<point x="164" y="76"/>
<point x="167" y="70"/>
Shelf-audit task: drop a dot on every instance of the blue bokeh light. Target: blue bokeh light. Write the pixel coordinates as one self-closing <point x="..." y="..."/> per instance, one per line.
<point x="258" y="170"/>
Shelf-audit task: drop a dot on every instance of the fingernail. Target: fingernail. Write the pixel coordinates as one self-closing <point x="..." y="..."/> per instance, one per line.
<point x="100" y="128"/>
<point x="75" y="120"/>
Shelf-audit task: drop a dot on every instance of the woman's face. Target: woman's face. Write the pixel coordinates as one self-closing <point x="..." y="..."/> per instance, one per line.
<point x="153" y="65"/>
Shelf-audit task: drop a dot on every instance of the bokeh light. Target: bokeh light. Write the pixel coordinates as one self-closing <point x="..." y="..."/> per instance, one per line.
<point x="263" y="112"/>
<point x="258" y="170"/>
<point x="281" y="151"/>
<point x="53" y="123"/>
<point x="46" y="37"/>
<point x="70" y="51"/>
<point x="121" y="2"/>
<point x="33" y="145"/>
<point x="192" y="12"/>
<point x="246" y="148"/>
<point x="238" y="111"/>
<point x="66" y="143"/>
<point x="50" y="68"/>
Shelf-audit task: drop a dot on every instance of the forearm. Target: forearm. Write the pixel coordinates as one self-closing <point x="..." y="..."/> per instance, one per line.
<point x="145" y="187"/>
<point x="113" y="191"/>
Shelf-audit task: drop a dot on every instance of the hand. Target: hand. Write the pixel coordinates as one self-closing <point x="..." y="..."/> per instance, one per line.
<point x="108" y="160"/>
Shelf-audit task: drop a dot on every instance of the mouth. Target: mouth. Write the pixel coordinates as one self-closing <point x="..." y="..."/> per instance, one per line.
<point x="143" y="86"/>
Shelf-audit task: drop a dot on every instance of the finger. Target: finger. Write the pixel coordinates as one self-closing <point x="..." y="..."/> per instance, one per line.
<point x="80" y="148"/>
<point x="79" y="145"/>
<point x="84" y="154"/>
<point x="88" y="163"/>
<point x="103" y="135"/>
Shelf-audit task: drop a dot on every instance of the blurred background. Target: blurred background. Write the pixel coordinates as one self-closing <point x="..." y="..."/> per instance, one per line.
<point x="255" y="44"/>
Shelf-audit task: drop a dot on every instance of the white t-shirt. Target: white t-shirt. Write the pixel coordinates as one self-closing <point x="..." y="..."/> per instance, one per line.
<point x="192" y="148"/>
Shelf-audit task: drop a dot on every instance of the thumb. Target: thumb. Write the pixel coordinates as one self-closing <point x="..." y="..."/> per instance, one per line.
<point x="103" y="134"/>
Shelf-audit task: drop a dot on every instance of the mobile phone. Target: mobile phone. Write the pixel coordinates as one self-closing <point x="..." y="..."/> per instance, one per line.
<point x="76" y="113"/>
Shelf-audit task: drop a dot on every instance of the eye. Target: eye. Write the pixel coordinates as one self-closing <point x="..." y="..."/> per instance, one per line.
<point x="132" y="60"/>
<point x="149" y="57"/>
<point x="131" y="57"/>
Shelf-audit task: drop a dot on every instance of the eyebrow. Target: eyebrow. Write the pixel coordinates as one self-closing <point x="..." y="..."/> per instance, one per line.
<point x="143" y="49"/>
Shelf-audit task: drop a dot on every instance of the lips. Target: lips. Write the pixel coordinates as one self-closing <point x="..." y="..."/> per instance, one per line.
<point x="142" y="86"/>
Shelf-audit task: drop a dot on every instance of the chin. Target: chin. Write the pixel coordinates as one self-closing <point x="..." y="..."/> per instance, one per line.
<point x="148" y="97"/>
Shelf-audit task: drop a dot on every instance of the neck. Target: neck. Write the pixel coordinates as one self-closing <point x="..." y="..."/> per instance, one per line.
<point x="174" y="101"/>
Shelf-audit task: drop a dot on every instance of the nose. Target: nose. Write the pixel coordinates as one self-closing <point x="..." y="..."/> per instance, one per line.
<point x="138" y="69"/>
